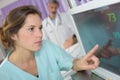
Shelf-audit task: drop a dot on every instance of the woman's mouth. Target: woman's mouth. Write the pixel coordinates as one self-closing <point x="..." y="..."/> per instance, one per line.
<point x="38" y="42"/>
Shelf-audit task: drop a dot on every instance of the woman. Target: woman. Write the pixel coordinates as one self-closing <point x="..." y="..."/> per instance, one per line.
<point x="30" y="58"/>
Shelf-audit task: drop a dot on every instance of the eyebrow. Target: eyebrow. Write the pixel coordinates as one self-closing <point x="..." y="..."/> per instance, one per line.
<point x="34" y="25"/>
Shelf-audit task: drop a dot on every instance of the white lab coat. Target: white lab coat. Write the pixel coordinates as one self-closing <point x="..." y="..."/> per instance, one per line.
<point x="59" y="31"/>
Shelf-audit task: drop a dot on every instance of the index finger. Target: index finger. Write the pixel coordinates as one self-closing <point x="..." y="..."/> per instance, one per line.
<point x="91" y="52"/>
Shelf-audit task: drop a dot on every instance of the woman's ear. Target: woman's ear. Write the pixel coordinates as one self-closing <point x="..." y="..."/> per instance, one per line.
<point x="14" y="37"/>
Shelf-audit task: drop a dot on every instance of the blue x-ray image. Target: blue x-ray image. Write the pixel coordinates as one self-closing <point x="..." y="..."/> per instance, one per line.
<point x="98" y="26"/>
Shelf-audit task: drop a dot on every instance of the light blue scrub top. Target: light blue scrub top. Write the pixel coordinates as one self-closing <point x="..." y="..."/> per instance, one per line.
<point x="50" y="61"/>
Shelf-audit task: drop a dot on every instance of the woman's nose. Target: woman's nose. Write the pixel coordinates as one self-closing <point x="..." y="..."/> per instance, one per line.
<point x="39" y="33"/>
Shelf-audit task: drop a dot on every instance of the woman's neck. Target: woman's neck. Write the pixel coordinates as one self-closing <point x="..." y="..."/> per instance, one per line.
<point x="21" y="56"/>
<point x="24" y="60"/>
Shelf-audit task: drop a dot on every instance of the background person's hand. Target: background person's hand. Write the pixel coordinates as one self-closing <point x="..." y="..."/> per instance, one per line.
<point x="88" y="62"/>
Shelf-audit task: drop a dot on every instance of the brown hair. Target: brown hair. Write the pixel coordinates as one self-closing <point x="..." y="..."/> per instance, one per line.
<point x="74" y="39"/>
<point x="13" y="22"/>
<point x="53" y="1"/>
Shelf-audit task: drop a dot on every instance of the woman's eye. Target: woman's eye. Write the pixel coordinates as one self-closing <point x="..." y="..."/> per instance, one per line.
<point x="40" y="28"/>
<point x="31" y="29"/>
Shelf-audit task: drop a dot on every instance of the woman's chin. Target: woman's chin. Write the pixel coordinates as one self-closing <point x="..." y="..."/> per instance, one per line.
<point x="37" y="48"/>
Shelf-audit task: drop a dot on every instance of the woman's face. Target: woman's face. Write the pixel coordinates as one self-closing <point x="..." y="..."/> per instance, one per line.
<point x="30" y="35"/>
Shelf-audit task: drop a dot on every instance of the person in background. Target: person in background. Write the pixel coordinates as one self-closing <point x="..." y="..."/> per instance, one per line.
<point x="57" y="27"/>
<point x="30" y="57"/>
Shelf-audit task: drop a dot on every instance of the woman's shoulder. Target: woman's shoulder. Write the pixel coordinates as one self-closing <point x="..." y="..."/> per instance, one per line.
<point x="48" y="46"/>
<point x="48" y="43"/>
